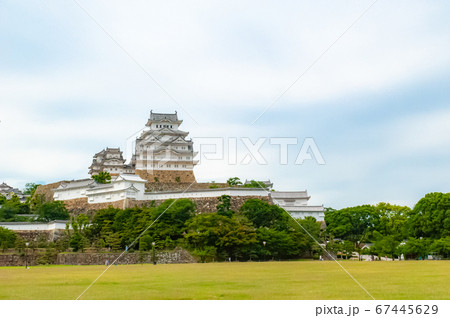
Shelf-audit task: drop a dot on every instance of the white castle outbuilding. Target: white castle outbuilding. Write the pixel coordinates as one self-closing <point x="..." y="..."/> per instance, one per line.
<point x="161" y="168"/>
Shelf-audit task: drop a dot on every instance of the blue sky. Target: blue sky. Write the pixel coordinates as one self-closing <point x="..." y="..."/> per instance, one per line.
<point x="377" y="103"/>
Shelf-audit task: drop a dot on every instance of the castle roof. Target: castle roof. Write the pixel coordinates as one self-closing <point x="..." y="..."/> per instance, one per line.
<point x="108" y="150"/>
<point x="6" y="189"/>
<point x="76" y="184"/>
<point x="162" y="117"/>
<point x="290" y="195"/>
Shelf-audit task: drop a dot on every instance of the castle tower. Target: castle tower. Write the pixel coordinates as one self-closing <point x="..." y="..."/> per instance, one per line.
<point x="109" y="160"/>
<point x="163" y="154"/>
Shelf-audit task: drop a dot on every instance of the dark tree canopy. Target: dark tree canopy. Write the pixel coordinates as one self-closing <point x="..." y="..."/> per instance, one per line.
<point x="224" y="206"/>
<point x="263" y="214"/>
<point x="49" y="211"/>
<point x="353" y="224"/>
<point x="431" y="216"/>
<point x="7" y="238"/>
<point x="11" y="208"/>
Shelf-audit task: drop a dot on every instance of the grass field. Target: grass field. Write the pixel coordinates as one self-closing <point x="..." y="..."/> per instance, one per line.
<point x="272" y="280"/>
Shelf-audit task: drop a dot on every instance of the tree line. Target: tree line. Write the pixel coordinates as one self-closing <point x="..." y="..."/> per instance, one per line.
<point x="257" y="231"/>
<point x="392" y="230"/>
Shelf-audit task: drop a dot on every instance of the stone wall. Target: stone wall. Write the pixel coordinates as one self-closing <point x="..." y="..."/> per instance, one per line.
<point x="167" y="176"/>
<point x="208" y="205"/>
<point x="177" y="256"/>
<point x="81" y="205"/>
<point x="40" y="235"/>
<point x="181" y="186"/>
<point x="47" y="190"/>
<point x="17" y="259"/>
<point x="204" y="205"/>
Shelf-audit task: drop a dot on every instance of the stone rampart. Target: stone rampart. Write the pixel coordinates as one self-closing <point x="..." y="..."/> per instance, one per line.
<point x="81" y="205"/>
<point x="176" y="256"/>
<point x="167" y="176"/>
<point x="204" y="205"/>
<point x="32" y="235"/>
<point x="47" y="190"/>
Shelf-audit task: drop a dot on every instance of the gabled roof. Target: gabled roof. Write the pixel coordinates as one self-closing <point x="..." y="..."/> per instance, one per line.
<point x="289" y="195"/>
<point x="162" y="133"/>
<point x="108" y="150"/>
<point x="159" y="150"/>
<point x="76" y="184"/>
<point x="163" y="116"/>
<point x="131" y="178"/>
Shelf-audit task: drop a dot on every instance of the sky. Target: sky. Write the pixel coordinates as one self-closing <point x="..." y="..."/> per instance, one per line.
<point x="370" y="87"/>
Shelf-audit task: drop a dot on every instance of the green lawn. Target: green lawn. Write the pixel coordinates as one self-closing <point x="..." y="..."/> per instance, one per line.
<point x="271" y="280"/>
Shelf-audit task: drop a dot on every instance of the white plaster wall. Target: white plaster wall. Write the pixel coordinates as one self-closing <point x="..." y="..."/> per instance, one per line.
<point x="118" y="191"/>
<point x="34" y="226"/>
<point x="319" y="216"/>
<point x="69" y="194"/>
<point x="205" y="194"/>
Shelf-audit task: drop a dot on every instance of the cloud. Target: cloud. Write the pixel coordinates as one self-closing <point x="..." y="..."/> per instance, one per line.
<point x="67" y="90"/>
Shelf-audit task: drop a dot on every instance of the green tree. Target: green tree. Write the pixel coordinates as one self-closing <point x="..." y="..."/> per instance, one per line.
<point x="99" y="245"/>
<point x="113" y="241"/>
<point x="206" y="253"/>
<point x="62" y="244"/>
<point x="255" y="184"/>
<point x="103" y="177"/>
<point x="7" y="238"/>
<point x="415" y="248"/>
<point x="353" y="224"/>
<point x="302" y="232"/>
<point x="441" y="247"/>
<point x="392" y="220"/>
<point x="263" y="214"/>
<point x="233" y="182"/>
<point x="279" y="244"/>
<point x="101" y="222"/>
<point x="55" y="210"/>
<point x="431" y="216"/>
<point x="19" y="244"/>
<point x="230" y="236"/>
<point x="170" y="220"/>
<point x="385" y="245"/>
<point x="9" y="210"/>
<point x="78" y="242"/>
<point x="30" y="188"/>
<point x="224" y="206"/>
